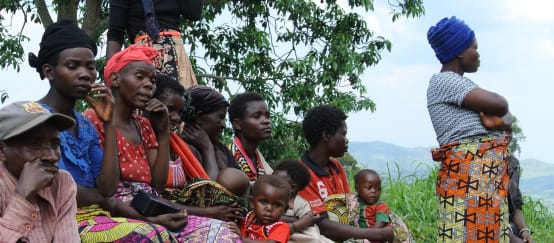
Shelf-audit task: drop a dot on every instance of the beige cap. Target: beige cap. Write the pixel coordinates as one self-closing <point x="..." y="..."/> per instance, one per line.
<point x="19" y="117"/>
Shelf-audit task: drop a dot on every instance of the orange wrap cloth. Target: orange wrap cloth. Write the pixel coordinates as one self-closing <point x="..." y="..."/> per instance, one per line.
<point x="192" y="167"/>
<point x="126" y="56"/>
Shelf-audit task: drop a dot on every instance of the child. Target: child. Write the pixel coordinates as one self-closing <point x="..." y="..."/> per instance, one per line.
<point x="373" y="212"/>
<point x="269" y="201"/>
<point x="299" y="216"/>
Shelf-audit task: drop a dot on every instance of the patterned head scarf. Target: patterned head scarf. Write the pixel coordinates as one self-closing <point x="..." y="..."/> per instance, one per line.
<point x="450" y="37"/>
<point x="204" y="99"/>
<point x="59" y="36"/>
<point x="128" y="55"/>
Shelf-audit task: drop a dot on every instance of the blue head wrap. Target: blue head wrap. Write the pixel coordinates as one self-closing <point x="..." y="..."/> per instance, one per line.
<point x="449" y="37"/>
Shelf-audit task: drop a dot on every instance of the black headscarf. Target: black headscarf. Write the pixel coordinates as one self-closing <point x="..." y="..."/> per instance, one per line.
<point x="59" y="36"/>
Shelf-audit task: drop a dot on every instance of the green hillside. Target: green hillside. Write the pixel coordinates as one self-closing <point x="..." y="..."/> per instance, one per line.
<point x="536" y="180"/>
<point x="413" y="198"/>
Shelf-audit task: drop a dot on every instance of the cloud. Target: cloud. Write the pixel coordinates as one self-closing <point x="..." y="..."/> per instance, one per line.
<point x="537" y="11"/>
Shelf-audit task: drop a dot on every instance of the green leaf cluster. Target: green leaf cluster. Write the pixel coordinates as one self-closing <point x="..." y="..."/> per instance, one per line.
<point x="296" y="53"/>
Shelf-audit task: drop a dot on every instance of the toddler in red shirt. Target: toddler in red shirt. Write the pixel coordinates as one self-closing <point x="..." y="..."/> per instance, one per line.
<point x="269" y="201"/>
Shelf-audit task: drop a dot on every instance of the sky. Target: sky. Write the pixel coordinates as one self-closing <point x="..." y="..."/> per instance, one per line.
<point x="516" y="45"/>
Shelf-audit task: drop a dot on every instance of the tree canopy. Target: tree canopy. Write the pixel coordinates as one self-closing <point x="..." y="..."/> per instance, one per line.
<point x="296" y="54"/>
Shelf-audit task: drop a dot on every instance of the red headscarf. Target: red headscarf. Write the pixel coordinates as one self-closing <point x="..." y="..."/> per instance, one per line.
<point x="128" y="55"/>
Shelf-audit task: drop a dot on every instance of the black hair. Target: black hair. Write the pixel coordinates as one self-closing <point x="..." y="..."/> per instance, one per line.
<point x="239" y="102"/>
<point x="296" y="171"/>
<point x="322" y="119"/>
<point x="167" y="84"/>
<point x="363" y="172"/>
<point x="274" y="181"/>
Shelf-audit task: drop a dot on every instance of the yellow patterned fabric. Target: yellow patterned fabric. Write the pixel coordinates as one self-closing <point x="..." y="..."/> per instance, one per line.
<point x="342" y="208"/>
<point x="471" y="189"/>
<point x="204" y="193"/>
<point x="96" y="225"/>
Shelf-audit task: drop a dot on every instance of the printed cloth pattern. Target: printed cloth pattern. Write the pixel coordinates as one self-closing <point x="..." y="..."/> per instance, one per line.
<point x="472" y="187"/>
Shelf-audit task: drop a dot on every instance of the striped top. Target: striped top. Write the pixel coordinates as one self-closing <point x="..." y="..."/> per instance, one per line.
<point x="50" y="217"/>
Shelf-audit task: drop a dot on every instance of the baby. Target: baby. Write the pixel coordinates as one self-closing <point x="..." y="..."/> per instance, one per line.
<point x="299" y="216"/>
<point x="373" y="212"/>
<point x="269" y="201"/>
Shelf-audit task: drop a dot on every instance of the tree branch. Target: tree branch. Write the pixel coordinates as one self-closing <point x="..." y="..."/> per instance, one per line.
<point x="68" y="10"/>
<point x="92" y="22"/>
<point x="42" y="11"/>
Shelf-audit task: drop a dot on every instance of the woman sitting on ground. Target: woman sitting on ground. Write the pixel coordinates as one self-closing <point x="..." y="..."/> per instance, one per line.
<point x="222" y="200"/>
<point x="143" y="154"/>
<point x="66" y="58"/>
<point x="252" y="124"/>
<point x="204" y="119"/>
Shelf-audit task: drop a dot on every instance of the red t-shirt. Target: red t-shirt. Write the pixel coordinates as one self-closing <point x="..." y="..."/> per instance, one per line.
<point x="278" y="231"/>
<point x="133" y="158"/>
<point x="370" y="214"/>
<point x="323" y="184"/>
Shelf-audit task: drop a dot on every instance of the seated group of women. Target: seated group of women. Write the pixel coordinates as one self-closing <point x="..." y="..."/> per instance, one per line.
<point x="113" y="152"/>
<point x="173" y="149"/>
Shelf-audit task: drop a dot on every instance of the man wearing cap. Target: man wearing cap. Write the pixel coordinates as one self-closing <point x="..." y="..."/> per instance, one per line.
<point x="37" y="201"/>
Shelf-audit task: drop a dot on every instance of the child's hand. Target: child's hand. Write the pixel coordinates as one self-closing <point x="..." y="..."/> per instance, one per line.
<point x="307" y="220"/>
<point x="233" y="227"/>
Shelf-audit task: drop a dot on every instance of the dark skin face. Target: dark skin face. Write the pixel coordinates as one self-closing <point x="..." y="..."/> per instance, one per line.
<point x="32" y="158"/>
<point x="136" y="83"/>
<point x="175" y="104"/>
<point x="74" y="73"/>
<point x="369" y="188"/>
<point x="469" y="59"/>
<point x="269" y="204"/>
<point x="40" y="144"/>
<point x="213" y="123"/>
<point x="337" y="143"/>
<point x="255" y="125"/>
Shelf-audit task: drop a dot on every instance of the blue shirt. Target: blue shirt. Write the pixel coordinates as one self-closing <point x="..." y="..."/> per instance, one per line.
<point x="82" y="155"/>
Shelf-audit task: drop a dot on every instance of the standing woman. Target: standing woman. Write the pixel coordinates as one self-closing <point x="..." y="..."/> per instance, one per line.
<point x="156" y="24"/>
<point x="251" y="121"/>
<point x="472" y="181"/>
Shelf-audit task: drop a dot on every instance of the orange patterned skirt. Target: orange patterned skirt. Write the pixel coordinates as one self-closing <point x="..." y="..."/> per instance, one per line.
<point x="172" y="59"/>
<point x="472" y="188"/>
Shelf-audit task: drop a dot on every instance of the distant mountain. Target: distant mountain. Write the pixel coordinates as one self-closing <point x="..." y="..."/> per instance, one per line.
<point x="536" y="180"/>
<point x="378" y="155"/>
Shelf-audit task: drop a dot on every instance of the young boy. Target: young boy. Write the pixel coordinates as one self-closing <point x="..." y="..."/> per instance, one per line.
<point x="269" y="200"/>
<point x="299" y="216"/>
<point x="373" y="212"/>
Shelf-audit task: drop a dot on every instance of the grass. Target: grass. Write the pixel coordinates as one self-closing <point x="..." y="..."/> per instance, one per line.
<point x="413" y="198"/>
